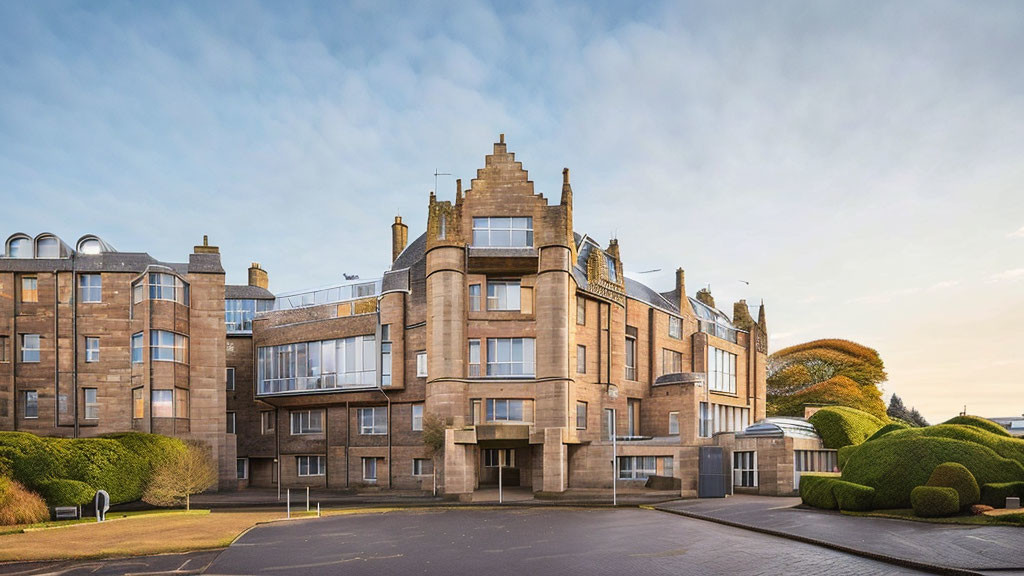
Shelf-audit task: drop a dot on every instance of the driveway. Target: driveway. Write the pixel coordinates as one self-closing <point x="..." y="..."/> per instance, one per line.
<point x="524" y="541"/>
<point x="977" y="548"/>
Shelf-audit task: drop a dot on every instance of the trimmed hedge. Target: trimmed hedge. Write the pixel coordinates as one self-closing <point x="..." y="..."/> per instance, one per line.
<point x="934" y="501"/>
<point x="63" y="492"/>
<point x="994" y="494"/>
<point x="956" y="476"/>
<point x="1005" y="446"/>
<point x="977" y="422"/>
<point x="121" y="464"/>
<point x="840" y="426"/>
<point x="850" y="496"/>
<point x="816" y="489"/>
<point x="890" y="427"/>
<point x="900" y="461"/>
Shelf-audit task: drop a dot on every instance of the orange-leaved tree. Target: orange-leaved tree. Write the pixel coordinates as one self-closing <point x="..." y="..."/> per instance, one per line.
<point x="838" y="372"/>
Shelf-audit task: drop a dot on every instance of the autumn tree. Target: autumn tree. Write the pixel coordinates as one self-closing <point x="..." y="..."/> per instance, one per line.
<point x="837" y="372"/>
<point x="183" y="474"/>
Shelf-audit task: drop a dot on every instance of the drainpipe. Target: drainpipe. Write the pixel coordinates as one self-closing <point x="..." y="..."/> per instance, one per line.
<point x="74" y="337"/>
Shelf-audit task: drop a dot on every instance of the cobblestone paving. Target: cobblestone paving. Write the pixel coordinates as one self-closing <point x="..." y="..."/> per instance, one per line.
<point x="536" y="541"/>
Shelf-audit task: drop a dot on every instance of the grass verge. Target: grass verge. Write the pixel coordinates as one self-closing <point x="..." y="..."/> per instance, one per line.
<point x="983" y="520"/>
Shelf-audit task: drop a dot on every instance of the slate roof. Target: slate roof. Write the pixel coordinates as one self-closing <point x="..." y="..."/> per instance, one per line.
<point x="246" y="292"/>
<point x="112" y="262"/>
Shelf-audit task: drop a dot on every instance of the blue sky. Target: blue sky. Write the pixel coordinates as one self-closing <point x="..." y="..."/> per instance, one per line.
<point x="860" y="164"/>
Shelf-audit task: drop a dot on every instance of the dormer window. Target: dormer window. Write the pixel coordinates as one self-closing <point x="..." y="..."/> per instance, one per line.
<point x="48" y="247"/>
<point x="500" y="232"/>
<point x="20" y="248"/>
<point x="161" y="287"/>
<point x="90" y="246"/>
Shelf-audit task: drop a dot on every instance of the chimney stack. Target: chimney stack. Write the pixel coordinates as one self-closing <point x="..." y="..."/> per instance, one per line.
<point x="705" y="297"/>
<point x="258" y="276"/>
<point x="206" y="248"/>
<point x="741" y="315"/>
<point x="399" y="237"/>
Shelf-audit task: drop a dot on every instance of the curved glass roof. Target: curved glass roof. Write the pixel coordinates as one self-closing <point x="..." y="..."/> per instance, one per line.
<point x="778" y="427"/>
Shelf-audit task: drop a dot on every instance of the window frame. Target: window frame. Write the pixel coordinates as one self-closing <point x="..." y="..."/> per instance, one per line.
<point x="673" y="418"/>
<point x="516" y="226"/>
<point x="94" y="406"/>
<point x="581" y="405"/>
<point x="89" y="292"/>
<point x="92" y="354"/>
<point x="581" y="311"/>
<point x="37" y="350"/>
<point x="671" y="361"/>
<point x="267" y="416"/>
<point x="138" y="345"/>
<point x="169" y="402"/>
<point x="675" y="327"/>
<point x="491" y="410"/>
<point x="581" y="359"/>
<point x="501" y="300"/>
<point x="308" y="430"/>
<point x="421" y="364"/>
<point x="231" y="422"/>
<point x="630" y="350"/>
<point x="138" y="403"/>
<point x="30" y="295"/>
<point x="31" y="398"/>
<point x="747" y="473"/>
<point x="418" y="465"/>
<point x="5" y="344"/>
<point x="417" y="407"/>
<point x="368" y="460"/>
<point x="178" y="347"/>
<point x="245" y="468"/>
<point x="310" y="459"/>
<point x="475" y="292"/>
<point x="527" y="368"/>
<point x="374" y="428"/>
<point x="229" y="378"/>
<point x="473" y="367"/>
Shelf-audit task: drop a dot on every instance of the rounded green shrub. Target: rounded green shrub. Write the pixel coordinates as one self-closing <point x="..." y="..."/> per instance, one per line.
<point x="816" y="489"/>
<point x="956" y="476"/>
<point x="977" y="422"/>
<point x="850" y="496"/>
<point x="899" y="461"/>
<point x="934" y="501"/>
<point x="1005" y="446"/>
<point x="890" y="427"/>
<point x="995" y="494"/>
<point x="63" y="492"/>
<point x="840" y="426"/>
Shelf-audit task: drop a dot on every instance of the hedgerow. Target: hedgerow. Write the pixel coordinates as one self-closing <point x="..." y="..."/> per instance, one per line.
<point x="934" y="501"/>
<point x="840" y="426"/>
<point x="850" y="496"/>
<point x="64" y="492"/>
<point x="121" y="464"/>
<point x="977" y="422"/>
<point x="890" y="427"/>
<point x="958" y="477"/>
<point x="816" y="489"/>
<point x="994" y="494"/>
<point x="900" y="461"/>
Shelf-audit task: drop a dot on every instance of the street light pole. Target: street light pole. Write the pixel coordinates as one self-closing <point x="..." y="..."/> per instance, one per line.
<point x="615" y="460"/>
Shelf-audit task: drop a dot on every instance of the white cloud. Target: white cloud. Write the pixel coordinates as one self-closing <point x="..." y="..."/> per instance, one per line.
<point x="1017" y="234"/>
<point x="943" y="285"/>
<point x="1013" y="275"/>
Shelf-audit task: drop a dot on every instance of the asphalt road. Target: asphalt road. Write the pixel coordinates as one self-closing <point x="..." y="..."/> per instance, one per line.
<point x="526" y="542"/>
<point x="163" y="563"/>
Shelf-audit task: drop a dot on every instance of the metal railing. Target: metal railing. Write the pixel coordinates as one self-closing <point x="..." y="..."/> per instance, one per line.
<point x="715" y="329"/>
<point x="332" y="381"/>
<point x="328" y="295"/>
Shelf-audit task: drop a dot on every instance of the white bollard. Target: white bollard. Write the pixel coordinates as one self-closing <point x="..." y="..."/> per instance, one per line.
<point x="307" y="498"/>
<point x="317" y="509"/>
<point x="288" y="503"/>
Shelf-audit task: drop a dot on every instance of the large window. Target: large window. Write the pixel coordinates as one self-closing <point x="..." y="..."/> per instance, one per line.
<point x="510" y="356"/>
<point x="813" y="461"/>
<point x="422" y="467"/>
<point x="29" y="289"/>
<point x="373" y="421"/>
<point x="310" y="465"/>
<point x="637" y="467"/>
<point x="48" y="247"/>
<point x="417" y="417"/>
<point x="31" y="404"/>
<point x="238" y="314"/>
<point x="494" y="457"/>
<point x="167" y="287"/>
<point x="671" y="361"/>
<point x="675" y="327"/>
<point x="30" y="348"/>
<point x="503" y="295"/>
<point x="307" y="422"/>
<point x="474" y="297"/>
<point x="137" y="348"/>
<point x="168" y="347"/>
<point x="721" y="370"/>
<point x="630" y="358"/>
<point x="581" y="415"/>
<point x="744" y="469"/>
<point x="162" y="402"/>
<point x="581" y="359"/>
<point x="92" y="349"/>
<point x="704" y="426"/>
<point x="90" y="288"/>
<point x="503" y="232"/>
<point x="325" y="365"/>
<point x="92" y="406"/>
<point x="506" y="410"/>
<point x="725" y="418"/>
<point x="20" y="248"/>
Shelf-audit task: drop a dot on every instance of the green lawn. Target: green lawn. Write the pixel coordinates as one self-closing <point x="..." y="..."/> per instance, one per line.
<point x="110" y="516"/>
<point x="982" y="520"/>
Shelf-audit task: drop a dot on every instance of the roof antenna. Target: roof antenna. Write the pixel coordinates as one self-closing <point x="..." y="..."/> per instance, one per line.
<point x="436" y="174"/>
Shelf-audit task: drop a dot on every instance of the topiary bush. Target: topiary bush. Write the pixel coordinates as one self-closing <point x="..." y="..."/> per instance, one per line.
<point x="934" y="501"/>
<point x="900" y="461"/>
<point x="19" y="505"/>
<point x="64" y="492"/>
<point x="956" y="476"/>
<point x="840" y="426"/>
<point x="121" y="464"/>
<point x="994" y="494"/>
<point x="890" y="427"/>
<point x="850" y="496"/>
<point x="816" y="489"/>
<point x="977" y="422"/>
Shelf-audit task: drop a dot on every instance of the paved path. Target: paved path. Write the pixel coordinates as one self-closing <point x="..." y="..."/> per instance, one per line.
<point x="977" y="548"/>
<point x="186" y="563"/>
<point x="520" y="541"/>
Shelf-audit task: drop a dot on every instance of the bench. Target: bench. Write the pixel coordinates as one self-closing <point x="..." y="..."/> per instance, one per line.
<point x="66" y="513"/>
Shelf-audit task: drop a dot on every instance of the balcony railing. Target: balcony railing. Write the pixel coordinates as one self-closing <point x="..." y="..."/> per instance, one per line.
<point x="328" y="295"/>
<point x="321" y="383"/>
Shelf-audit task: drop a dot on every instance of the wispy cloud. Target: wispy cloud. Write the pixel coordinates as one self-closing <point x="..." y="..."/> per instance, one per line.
<point x="1007" y="276"/>
<point x="1017" y="234"/>
<point x="943" y="285"/>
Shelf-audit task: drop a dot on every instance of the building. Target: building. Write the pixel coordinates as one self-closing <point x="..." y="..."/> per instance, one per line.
<point x="519" y="339"/>
<point x="93" y="341"/>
